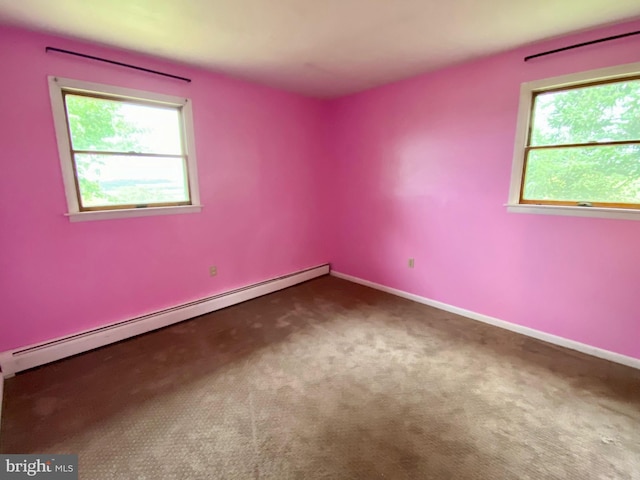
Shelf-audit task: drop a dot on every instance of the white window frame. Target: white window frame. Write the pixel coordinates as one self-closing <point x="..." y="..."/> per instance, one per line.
<point x="522" y="131"/>
<point x="56" y="87"/>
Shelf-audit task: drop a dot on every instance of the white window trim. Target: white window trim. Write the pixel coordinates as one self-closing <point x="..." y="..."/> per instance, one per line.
<point x="56" y="84"/>
<point x="524" y="114"/>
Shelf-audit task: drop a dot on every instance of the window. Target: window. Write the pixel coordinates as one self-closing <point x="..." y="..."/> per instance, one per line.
<point x="123" y="152"/>
<point x="578" y="145"/>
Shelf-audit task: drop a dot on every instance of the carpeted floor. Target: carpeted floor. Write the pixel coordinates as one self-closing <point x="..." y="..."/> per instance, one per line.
<point x="330" y="380"/>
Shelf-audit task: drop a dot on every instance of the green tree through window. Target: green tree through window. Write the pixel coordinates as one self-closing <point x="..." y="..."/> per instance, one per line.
<point x="97" y="125"/>
<point x="126" y="153"/>
<point x="584" y="145"/>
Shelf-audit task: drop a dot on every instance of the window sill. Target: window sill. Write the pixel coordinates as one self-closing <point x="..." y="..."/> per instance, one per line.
<point x="599" y="212"/>
<point x="131" y="212"/>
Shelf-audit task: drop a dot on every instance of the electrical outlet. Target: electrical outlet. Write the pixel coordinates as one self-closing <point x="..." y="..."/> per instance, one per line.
<point x="213" y="271"/>
<point x="411" y="263"/>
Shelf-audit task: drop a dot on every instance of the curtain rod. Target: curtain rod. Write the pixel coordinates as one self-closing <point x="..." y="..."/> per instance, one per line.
<point x="113" y="62"/>
<point x="583" y="44"/>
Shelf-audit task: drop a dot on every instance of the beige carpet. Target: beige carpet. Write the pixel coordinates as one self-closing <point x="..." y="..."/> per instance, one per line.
<point x="331" y="380"/>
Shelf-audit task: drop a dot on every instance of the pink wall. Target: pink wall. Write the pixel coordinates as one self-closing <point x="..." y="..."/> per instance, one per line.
<point x="424" y="169"/>
<point x="257" y="150"/>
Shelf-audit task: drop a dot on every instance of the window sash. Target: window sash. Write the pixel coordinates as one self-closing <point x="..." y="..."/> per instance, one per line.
<point x="594" y="83"/>
<point x="127" y="100"/>
<point x="534" y="201"/>
<point x="529" y="148"/>
<point x="123" y="206"/>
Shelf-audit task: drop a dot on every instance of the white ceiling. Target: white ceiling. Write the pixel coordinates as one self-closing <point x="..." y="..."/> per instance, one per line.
<point x="317" y="47"/>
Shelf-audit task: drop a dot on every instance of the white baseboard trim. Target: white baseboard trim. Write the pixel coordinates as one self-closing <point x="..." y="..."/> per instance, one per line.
<point x="20" y="359"/>
<point x="530" y="332"/>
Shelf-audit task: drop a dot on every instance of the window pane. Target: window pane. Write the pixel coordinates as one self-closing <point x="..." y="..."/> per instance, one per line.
<point x="609" y="174"/>
<point x="607" y="112"/>
<point x="127" y="180"/>
<point x="114" y="126"/>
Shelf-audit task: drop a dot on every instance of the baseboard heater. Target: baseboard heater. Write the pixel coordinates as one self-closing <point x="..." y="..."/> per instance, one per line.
<point x="20" y="359"/>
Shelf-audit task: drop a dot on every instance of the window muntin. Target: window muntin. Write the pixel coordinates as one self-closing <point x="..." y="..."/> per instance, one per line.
<point x="126" y="153"/>
<point x="583" y="145"/>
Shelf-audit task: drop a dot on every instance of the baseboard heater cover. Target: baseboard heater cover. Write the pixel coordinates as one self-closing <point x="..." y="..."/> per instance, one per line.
<point x="17" y="360"/>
